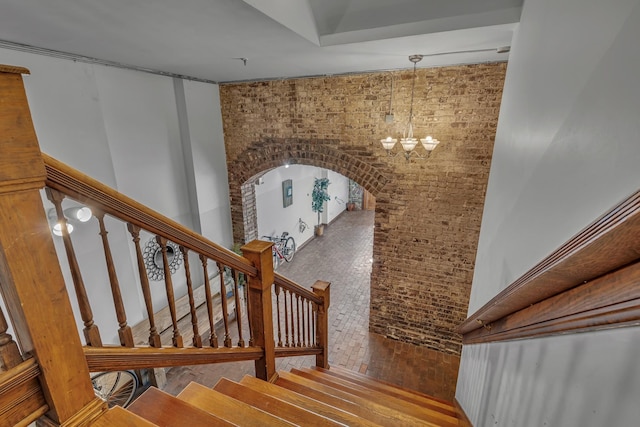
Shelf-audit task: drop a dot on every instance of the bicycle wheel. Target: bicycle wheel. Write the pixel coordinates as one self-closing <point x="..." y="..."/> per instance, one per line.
<point x="116" y="388"/>
<point x="289" y="249"/>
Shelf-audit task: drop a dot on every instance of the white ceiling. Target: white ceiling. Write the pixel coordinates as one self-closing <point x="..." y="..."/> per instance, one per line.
<point x="202" y="39"/>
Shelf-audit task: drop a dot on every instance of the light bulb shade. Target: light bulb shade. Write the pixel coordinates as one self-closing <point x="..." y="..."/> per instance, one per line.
<point x="429" y="143"/>
<point x="408" y="144"/>
<point x="79" y="213"/>
<point x="57" y="229"/>
<point x="388" y="143"/>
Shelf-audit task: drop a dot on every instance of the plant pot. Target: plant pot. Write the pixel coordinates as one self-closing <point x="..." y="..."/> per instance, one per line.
<point x="319" y="229"/>
<point x="351" y="206"/>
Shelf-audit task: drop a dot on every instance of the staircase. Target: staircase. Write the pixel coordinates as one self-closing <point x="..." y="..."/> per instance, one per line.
<point x="304" y="397"/>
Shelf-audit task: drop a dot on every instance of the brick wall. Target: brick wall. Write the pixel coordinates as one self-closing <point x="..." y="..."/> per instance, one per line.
<point x="428" y="212"/>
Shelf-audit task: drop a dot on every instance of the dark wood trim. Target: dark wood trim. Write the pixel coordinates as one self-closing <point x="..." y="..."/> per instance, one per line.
<point x="609" y="243"/>
<point x="610" y="301"/>
<point x="462" y="416"/>
<point x="117" y="358"/>
<point x="21" y="398"/>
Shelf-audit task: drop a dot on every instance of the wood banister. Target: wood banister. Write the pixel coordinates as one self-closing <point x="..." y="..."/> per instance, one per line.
<point x="93" y="193"/>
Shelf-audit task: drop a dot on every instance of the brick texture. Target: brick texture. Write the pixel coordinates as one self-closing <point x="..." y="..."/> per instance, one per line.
<point x="428" y="211"/>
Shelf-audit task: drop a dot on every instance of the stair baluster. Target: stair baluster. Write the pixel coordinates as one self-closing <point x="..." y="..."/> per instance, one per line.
<point x="177" y="338"/>
<point x="9" y="352"/>
<point x="277" y="292"/>
<point x="124" y="331"/>
<point x="236" y="293"/>
<point x="91" y="332"/>
<point x="286" y="319"/>
<point x="213" y="337"/>
<point x="197" y="339"/>
<point x="154" y="337"/>
<point x="298" y="343"/>
<point x="225" y="310"/>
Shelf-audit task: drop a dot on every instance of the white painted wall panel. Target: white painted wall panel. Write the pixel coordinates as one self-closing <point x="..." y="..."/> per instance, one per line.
<point x="566" y="151"/>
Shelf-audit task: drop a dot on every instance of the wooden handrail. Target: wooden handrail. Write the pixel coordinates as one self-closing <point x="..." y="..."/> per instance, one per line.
<point x="610" y="242"/>
<point x="87" y="190"/>
<point x="292" y="286"/>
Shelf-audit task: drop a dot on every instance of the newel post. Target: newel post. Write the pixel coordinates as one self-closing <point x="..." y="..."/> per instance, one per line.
<point x="31" y="281"/>
<point x="260" y="306"/>
<point x="322" y="289"/>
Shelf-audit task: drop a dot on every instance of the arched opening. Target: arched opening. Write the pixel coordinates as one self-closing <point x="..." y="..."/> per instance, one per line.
<point x="264" y="155"/>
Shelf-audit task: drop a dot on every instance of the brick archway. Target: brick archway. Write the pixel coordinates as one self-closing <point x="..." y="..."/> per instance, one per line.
<point x="259" y="157"/>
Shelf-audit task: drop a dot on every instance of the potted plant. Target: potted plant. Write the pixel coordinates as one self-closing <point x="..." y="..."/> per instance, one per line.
<point x="319" y="195"/>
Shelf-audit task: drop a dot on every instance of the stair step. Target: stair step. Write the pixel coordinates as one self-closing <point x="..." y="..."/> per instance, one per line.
<point x="409" y="408"/>
<point x="336" y="409"/>
<point x="391" y="389"/>
<point x="117" y="416"/>
<point x="355" y="405"/>
<point x="165" y="410"/>
<point x="272" y="404"/>
<point x="228" y="408"/>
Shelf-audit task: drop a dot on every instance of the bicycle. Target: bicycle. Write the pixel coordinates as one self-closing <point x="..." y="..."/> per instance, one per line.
<point x="284" y="248"/>
<point x="117" y="388"/>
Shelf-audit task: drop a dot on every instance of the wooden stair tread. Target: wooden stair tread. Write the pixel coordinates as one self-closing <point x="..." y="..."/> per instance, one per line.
<point x="324" y="409"/>
<point x="426" y="414"/>
<point x="270" y="403"/>
<point x="228" y="408"/>
<point x="354" y="404"/>
<point x="117" y="416"/>
<point x="404" y="390"/>
<point x="165" y="410"/>
<point x="391" y="390"/>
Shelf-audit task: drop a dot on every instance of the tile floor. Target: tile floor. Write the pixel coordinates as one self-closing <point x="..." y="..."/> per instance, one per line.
<point x="343" y="257"/>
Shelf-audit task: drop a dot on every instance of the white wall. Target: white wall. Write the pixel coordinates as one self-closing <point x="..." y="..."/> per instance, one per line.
<point x="121" y="127"/>
<point x="273" y="218"/>
<point x="566" y="151"/>
<point x="339" y="192"/>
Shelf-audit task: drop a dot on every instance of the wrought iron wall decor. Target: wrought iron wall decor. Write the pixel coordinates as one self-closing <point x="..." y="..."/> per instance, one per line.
<point x="153" y="259"/>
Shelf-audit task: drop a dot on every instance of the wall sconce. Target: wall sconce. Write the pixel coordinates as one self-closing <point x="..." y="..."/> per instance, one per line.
<point x="408" y="141"/>
<point x="77" y="214"/>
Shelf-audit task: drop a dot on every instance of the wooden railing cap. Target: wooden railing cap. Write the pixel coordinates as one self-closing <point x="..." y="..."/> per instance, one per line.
<point x="13" y="69"/>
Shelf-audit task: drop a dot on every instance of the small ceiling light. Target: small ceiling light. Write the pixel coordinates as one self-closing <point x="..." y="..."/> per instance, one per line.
<point x="57" y="229"/>
<point x="408" y="141"/>
<point x="80" y="213"/>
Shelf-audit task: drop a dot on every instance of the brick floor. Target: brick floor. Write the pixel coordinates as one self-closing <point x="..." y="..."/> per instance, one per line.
<point x="343" y="257"/>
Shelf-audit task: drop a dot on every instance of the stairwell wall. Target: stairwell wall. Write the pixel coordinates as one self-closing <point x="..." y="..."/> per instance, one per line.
<point x="566" y="152"/>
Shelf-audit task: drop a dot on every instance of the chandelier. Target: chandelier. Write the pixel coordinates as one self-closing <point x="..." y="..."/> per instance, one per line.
<point x="408" y="141"/>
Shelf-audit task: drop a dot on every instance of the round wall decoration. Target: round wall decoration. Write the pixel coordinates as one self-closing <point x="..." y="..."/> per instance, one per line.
<point x="153" y="259"/>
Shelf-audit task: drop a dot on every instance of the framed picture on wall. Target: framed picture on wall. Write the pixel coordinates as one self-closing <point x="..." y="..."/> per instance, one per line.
<point x="287" y="193"/>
